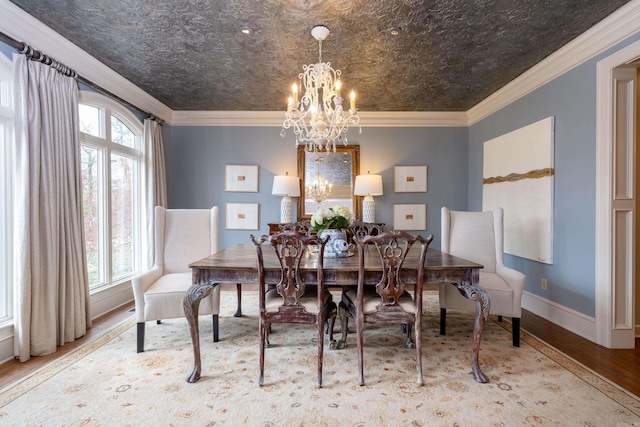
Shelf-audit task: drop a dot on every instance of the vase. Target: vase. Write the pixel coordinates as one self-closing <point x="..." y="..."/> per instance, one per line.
<point x="337" y="245"/>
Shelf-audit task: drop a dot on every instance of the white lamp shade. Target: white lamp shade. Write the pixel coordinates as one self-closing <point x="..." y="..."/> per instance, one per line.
<point x="368" y="185"/>
<point x="285" y="185"/>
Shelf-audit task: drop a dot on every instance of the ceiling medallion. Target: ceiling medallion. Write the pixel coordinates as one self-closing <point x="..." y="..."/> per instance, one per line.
<point x="318" y="118"/>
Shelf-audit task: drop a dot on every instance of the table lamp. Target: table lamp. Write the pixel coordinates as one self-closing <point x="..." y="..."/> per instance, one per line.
<point x="286" y="186"/>
<point x="368" y="186"/>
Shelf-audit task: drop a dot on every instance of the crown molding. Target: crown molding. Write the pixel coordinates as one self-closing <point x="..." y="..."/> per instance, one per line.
<point x="275" y="118"/>
<point x="621" y="24"/>
<point x="25" y="28"/>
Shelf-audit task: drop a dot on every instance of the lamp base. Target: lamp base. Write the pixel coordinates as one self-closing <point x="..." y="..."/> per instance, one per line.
<point x="286" y="210"/>
<point x="368" y="209"/>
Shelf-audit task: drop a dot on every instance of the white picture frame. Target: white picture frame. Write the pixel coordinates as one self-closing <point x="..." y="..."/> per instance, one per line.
<point x="241" y="216"/>
<point x="410" y="216"/>
<point x="410" y="179"/>
<point x="241" y="178"/>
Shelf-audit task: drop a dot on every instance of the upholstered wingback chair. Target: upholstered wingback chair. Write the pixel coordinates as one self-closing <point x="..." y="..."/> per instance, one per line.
<point x="478" y="237"/>
<point x="182" y="236"/>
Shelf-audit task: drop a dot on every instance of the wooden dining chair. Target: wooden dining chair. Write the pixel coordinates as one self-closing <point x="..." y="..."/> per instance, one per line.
<point x="291" y="300"/>
<point x="389" y="301"/>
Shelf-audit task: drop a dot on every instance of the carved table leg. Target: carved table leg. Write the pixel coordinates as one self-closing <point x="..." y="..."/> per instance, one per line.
<point x="481" y="299"/>
<point x="191" y="303"/>
<point x="238" y="312"/>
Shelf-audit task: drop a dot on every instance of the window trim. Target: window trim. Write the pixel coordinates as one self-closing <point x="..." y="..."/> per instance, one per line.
<point x="6" y="204"/>
<point x="109" y="108"/>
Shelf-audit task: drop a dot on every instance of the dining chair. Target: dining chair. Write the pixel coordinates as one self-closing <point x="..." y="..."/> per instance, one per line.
<point x="478" y="237"/>
<point x="389" y="301"/>
<point x="330" y="308"/>
<point x="291" y="300"/>
<point x="358" y="229"/>
<point x="181" y="236"/>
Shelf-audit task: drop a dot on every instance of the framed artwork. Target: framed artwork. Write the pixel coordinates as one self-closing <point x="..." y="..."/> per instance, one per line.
<point x="410" y="179"/>
<point x="518" y="176"/>
<point x="241" y="178"/>
<point x="411" y="216"/>
<point x="241" y="216"/>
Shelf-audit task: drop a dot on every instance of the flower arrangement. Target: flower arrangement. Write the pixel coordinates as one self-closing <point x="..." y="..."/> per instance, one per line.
<point x="335" y="217"/>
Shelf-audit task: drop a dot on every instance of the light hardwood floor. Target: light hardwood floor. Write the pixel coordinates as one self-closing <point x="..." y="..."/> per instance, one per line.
<point x="619" y="366"/>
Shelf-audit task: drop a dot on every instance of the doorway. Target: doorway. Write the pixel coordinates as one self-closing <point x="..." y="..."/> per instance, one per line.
<point x="616" y="201"/>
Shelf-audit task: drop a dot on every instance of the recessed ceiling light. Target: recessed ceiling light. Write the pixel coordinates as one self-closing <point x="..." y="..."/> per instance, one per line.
<point x="394" y="31"/>
<point x="245" y="30"/>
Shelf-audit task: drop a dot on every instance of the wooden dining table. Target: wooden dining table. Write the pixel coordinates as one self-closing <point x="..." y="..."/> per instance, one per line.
<point x="239" y="264"/>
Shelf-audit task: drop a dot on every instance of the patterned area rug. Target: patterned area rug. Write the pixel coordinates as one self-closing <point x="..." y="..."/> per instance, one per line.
<point x="105" y="382"/>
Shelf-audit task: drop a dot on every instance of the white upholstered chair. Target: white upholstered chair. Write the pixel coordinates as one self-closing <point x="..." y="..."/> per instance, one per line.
<point x="478" y="237"/>
<point x="182" y="236"/>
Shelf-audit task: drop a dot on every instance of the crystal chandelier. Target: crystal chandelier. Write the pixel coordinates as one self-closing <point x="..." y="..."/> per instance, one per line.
<point x="320" y="188"/>
<point x="318" y="118"/>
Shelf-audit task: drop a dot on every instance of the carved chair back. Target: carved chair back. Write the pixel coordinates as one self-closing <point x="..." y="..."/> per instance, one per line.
<point x="286" y="302"/>
<point x="361" y="229"/>
<point x="392" y="304"/>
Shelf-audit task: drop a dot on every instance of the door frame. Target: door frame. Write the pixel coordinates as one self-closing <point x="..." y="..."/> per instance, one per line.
<point x="615" y="319"/>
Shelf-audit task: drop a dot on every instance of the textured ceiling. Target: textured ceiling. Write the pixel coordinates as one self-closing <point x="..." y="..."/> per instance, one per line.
<point x="192" y="55"/>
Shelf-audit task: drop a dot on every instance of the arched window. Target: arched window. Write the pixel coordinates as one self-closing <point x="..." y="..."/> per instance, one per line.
<point x="112" y="161"/>
<point x="6" y="195"/>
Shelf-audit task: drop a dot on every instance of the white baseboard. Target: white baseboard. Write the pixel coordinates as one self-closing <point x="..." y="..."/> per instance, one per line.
<point x="6" y="349"/>
<point x="105" y="300"/>
<point x="578" y="323"/>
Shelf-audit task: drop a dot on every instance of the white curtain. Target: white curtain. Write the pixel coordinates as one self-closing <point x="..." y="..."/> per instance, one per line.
<point x="155" y="179"/>
<point x="52" y="291"/>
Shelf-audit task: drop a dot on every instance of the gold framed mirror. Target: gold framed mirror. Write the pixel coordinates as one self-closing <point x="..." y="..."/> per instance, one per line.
<point x="339" y="169"/>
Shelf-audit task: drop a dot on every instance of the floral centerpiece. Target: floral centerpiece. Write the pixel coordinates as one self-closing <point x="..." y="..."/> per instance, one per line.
<point x="333" y="222"/>
<point x="338" y="217"/>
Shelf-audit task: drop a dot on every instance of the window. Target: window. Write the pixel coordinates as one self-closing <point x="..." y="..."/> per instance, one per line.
<point x="6" y="195"/>
<point x="112" y="162"/>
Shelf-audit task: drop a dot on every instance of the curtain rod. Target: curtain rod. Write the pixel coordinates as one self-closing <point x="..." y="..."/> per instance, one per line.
<point x="39" y="56"/>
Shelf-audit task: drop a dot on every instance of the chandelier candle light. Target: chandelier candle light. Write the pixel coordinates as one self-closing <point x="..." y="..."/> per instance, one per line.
<point x="368" y="186"/>
<point x="286" y="186"/>
<point x="318" y="118"/>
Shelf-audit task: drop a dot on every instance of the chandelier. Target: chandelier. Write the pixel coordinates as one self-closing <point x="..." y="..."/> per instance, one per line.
<point x="319" y="189"/>
<point x="317" y="117"/>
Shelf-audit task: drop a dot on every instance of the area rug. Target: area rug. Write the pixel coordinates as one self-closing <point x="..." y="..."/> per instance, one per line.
<point x="106" y="383"/>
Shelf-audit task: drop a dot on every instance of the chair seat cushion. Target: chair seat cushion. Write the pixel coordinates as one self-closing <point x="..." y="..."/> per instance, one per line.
<point x="500" y="296"/>
<point x="309" y="300"/>
<point x="164" y="299"/>
<point x="371" y="299"/>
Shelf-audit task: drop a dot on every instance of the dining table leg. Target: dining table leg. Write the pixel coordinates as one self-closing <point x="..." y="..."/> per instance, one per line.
<point x="477" y="294"/>
<point x="191" y="303"/>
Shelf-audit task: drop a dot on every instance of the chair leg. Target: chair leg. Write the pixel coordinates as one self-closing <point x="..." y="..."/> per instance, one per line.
<point x="344" y="324"/>
<point x="443" y="320"/>
<point x="320" y="348"/>
<point x="515" y="331"/>
<point x="409" y="341"/>
<point x="360" y="343"/>
<point x="499" y="318"/>
<point x="262" y="331"/>
<point x="140" y="337"/>
<point x="216" y="336"/>
<point x="330" y="321"/>
<point x="238" y="312"/>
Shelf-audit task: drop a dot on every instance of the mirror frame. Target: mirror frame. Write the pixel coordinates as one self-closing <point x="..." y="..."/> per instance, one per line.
<point x="355" y="170"/>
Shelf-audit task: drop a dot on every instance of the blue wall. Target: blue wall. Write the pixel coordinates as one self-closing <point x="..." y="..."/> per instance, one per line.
<point x="571" y="99"/>
<point x="196" y="157"/>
